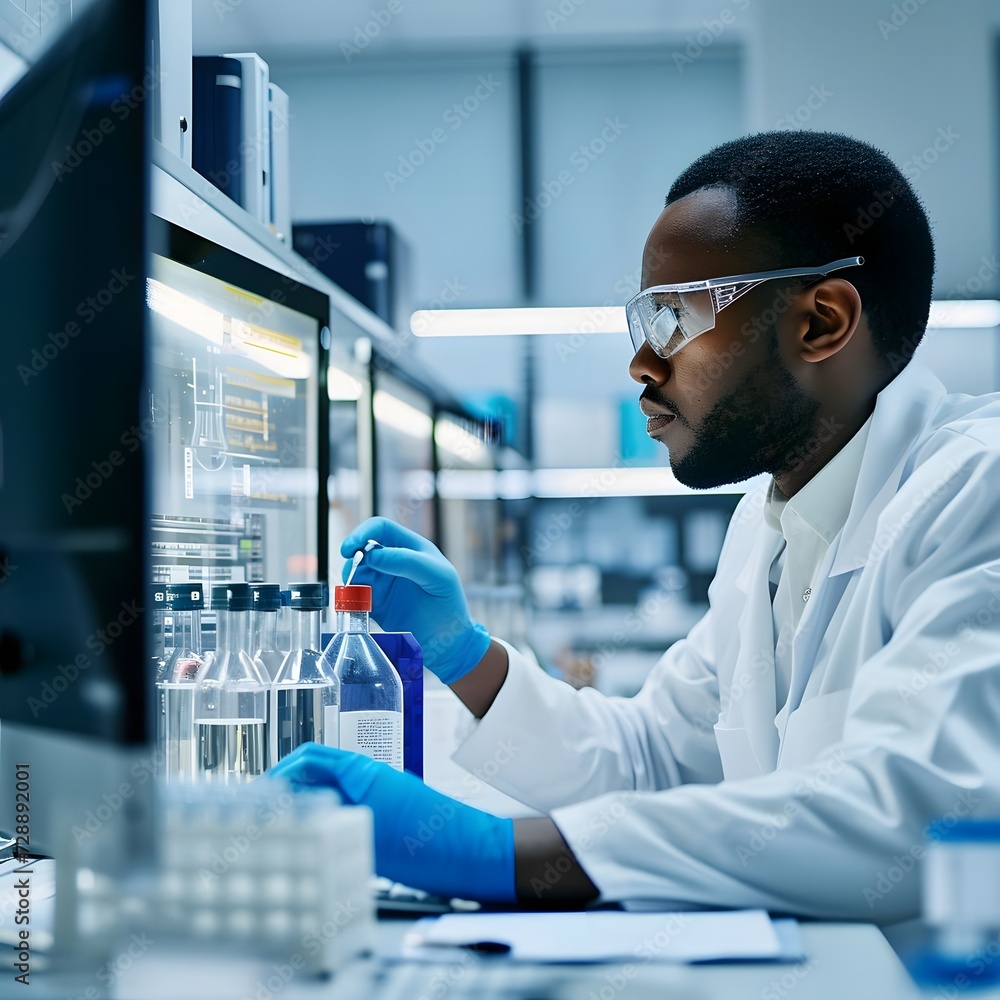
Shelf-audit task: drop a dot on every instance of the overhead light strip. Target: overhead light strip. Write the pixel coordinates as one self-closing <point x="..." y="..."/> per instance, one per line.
<point x="958" y="314"/>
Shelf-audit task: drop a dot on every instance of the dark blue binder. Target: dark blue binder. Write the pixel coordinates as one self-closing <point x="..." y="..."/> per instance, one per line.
<point x="218" y="123"/>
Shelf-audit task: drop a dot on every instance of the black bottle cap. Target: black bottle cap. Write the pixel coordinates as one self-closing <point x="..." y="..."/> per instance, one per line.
<point x="240" y="597"/>
<point x="185" y="597"/>
<point x="220" y="597"/>
<point x="266" y="596"/>
<point x="308" y="596"/>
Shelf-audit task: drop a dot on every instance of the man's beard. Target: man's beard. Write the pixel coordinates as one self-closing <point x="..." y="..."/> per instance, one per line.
<point x="763" y="425"/>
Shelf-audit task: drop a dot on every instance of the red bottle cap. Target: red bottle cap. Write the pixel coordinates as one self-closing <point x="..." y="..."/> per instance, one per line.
<point x="356" y="597"/>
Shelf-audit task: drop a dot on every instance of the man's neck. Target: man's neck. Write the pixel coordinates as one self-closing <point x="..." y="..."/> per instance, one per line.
<point x="830" y="432"/>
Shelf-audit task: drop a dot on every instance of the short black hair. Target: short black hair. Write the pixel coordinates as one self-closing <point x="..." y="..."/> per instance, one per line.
<point x="815" y="197"/>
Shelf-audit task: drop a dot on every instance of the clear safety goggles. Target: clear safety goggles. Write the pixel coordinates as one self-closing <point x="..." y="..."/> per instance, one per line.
<point x="667" y="316"/>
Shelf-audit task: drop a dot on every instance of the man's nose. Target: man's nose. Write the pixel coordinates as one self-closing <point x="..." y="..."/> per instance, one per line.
<point x="648" y="368"/>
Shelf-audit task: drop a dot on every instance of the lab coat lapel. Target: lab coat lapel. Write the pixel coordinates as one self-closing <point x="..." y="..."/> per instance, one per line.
<point x="813" y="624"/>
<point x="892" y="431"/>
<point x="752" y="700"/>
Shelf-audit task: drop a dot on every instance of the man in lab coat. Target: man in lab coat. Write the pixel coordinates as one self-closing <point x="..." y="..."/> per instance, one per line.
<point x="843" y="690"/>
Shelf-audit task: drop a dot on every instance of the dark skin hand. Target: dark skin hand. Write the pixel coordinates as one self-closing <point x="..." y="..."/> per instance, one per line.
<point x="807" y="352"/>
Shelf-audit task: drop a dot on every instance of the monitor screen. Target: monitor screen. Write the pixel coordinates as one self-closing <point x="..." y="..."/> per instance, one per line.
<point x="235" y="428"/>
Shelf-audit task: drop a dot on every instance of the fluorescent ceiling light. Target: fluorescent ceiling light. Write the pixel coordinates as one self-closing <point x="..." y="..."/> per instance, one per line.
<point x="515" y="484"/>
<point x="499" y="322"/>
<point x="405" y="418"/>
<point x="957" y="314"/>
<point x="623" y="482"/>
<point x="968" y="314"/>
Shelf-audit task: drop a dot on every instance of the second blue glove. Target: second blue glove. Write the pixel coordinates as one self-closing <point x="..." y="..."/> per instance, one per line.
<point x="422" y="838"/>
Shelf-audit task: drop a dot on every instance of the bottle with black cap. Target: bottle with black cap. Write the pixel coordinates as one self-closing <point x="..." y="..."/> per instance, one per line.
<point x="177" y="680"/>
<point x="305" y="694"/>
<point x="264" y="625"/>
<point x="231" y="696"/>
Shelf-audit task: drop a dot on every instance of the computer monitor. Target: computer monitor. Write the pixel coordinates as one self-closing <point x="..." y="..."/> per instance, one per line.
<point x="163" y="416"/>
<point x="73" y="202"/>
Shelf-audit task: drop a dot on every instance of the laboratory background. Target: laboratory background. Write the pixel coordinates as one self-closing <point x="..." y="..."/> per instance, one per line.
<point x="371" y="258"/>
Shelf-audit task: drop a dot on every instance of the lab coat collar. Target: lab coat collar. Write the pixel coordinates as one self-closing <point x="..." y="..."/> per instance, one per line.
<point x="902" y="410"/>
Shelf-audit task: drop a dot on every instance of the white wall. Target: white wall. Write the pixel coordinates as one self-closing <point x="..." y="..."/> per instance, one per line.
<point x="895" y="84"/>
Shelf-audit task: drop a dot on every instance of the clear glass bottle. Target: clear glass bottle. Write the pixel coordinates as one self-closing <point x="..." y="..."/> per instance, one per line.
<point x="264" y="626"/>
<point x="177" y="681"/>
<point x="231" y="696"/>
<point x="371" y="693"/>
<point x="285" y="621"/>
<point x="305" y="694"/>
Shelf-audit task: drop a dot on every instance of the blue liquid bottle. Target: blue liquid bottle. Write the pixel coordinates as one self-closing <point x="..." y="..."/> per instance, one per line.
<point x="371" y="692"/>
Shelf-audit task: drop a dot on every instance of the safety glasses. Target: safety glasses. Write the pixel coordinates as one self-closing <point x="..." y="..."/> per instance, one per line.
<point x="668" y="316"/>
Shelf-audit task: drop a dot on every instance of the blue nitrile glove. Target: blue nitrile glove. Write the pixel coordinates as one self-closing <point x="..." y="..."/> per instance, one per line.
<point x="415" y="589"/>
<point x="422" y="838"/>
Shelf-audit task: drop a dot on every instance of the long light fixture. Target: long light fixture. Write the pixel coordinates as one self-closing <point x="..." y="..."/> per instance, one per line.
<point x="964" y="314"/>
<point x="625" y="481"/>
<point x="958" y="314"/>
<point x="498" y="322"/>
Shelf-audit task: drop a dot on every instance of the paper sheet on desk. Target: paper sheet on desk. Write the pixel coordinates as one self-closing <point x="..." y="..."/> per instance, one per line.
<point x="603" y="936"/>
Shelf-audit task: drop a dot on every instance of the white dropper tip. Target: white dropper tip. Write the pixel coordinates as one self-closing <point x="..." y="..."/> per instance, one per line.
<point x="359" y="555"/>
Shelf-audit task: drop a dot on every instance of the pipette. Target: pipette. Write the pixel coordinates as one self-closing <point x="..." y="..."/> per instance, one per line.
<point x="359" y="555"/>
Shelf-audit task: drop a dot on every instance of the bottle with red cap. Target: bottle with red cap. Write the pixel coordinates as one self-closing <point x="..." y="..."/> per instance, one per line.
<point x="371" y="693"/>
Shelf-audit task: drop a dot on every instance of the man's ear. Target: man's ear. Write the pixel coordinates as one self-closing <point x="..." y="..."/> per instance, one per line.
<point x="833" y="310"/>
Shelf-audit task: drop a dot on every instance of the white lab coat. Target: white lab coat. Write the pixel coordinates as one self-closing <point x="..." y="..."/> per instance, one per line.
<point x="698" y="791"/>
